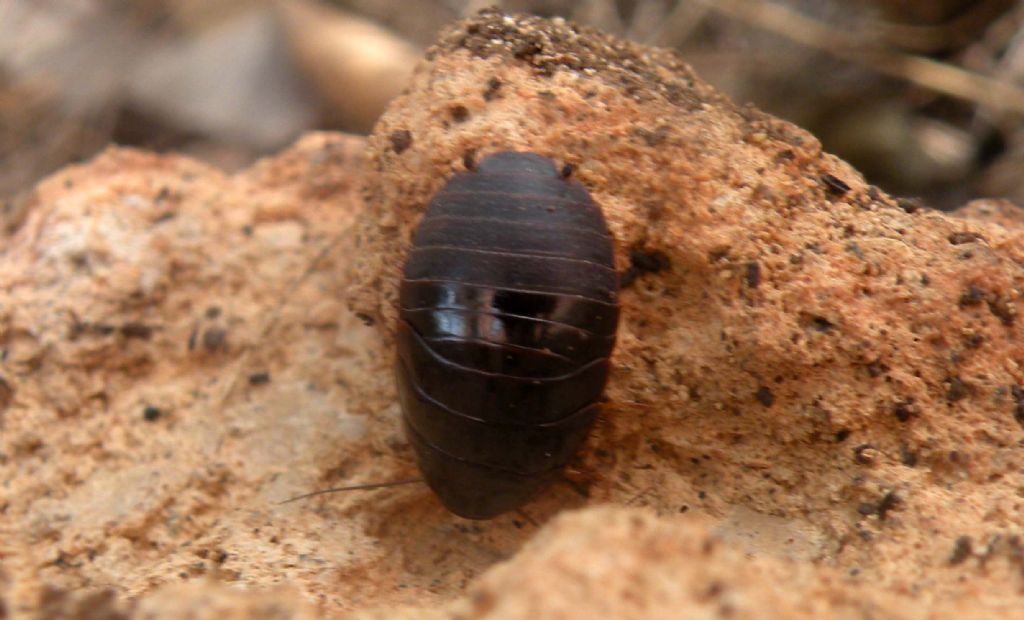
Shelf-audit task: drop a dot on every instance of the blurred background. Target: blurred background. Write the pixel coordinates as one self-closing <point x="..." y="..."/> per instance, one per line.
<point x="926" y="97"/>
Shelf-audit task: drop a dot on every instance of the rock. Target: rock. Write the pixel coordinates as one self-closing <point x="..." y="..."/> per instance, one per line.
<point x="609" y="562"/>
<point x="803" y="313"/>
<point x="138" y="296"/>
<point x="823" y="380"/>
<point x="355" y="65"/>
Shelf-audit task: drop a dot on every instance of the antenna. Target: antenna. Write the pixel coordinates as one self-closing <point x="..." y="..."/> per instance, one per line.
<point x="355" y="487"/>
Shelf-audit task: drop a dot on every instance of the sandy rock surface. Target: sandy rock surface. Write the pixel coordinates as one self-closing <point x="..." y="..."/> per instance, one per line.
<point x="815" y="410"/>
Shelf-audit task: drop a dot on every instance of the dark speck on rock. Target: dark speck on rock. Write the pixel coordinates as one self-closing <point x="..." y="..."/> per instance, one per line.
<point x="134" y="329"/>
<point x="1018" y="398"/>
<point x="401" y="139"/>
<point x="834" y="185"/>
<point x="888" y="502"/>
<point x="259" y="378"/>
<point x="493" y="88"/>
<point x="151" y="413"/>
<point x="753" y="275"/>
<point x="1002" y="310"/>
<point x="876" y="369"/>
<point x="214" y="338"/>
<point x="972" y="296"/>
<point x="764" y="396"/>
<point x="644" y="261"/>
<point x="867" y="509"/>
<point x="961" y="550"/>
<point x="910" y="205"/>
<point x="961" y="237"/>
<point x="903" y="410"/>
<point x="958" y="389"/>
<point x="651" y="261"/>
<point x="821" y="324"/>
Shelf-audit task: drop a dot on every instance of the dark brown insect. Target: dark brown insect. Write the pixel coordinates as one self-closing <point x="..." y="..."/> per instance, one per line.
<point x="508" y="313"/>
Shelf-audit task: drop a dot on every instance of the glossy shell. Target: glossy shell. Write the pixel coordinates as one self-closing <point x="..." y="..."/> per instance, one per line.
<point x="508" y="312"/>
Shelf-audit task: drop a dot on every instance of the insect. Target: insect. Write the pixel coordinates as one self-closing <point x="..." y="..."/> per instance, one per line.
<point x="508" y="314"/>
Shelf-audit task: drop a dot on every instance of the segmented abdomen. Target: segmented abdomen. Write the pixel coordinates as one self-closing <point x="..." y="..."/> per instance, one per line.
<point x="508" y="313"/>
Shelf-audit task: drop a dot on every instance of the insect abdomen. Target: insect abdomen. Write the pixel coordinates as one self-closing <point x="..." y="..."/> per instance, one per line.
<point x="508" y="312"/>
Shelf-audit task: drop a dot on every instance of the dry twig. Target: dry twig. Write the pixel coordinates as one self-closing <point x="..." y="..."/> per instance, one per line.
<point x="924" y="72"/>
